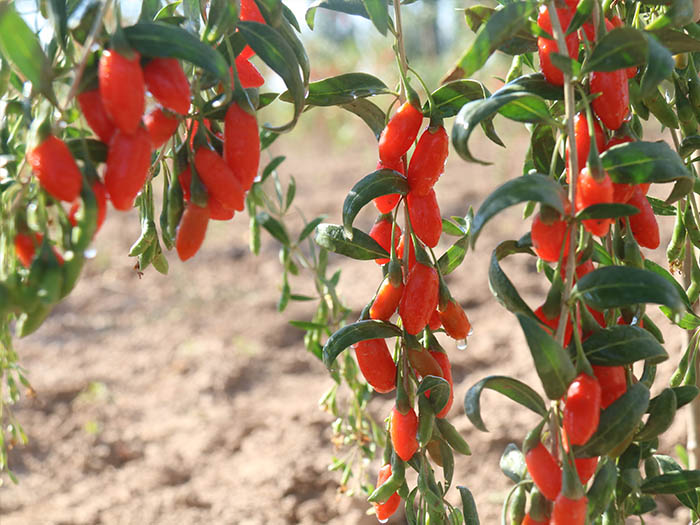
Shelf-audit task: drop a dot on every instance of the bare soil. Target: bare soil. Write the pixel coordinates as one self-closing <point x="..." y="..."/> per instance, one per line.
<point x="189" y="399"/>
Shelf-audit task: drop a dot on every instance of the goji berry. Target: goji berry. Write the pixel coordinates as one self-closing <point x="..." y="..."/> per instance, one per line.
<point x="547" y="239"/>
<point x="428" y="160"/>
<point x="217" y="212"/>
<point x="590" y="191"/>
<point x="644" y="226"/>
<point x="386" y="203"/>
<point x="55" y="167"/>
<point x="454" y="320"/>
<point x="529" y="520"/>
<point x="168" y="84"/>
<point x="419" y="298"/>
<point x="128" y="161"/>
<point x="404" y="428"/>
<point x="242" y="145"/>
<point x="582" y="409"/>
<point x="569" y="511"/>
<point x="434" y="322"/>
<point x="613" y="383"/>
<point x="376" y="364"/>
<point x="446" y="367"/>
<point x="191" y="231"/>
<point x="544" y="470"/>
<point x="385" y="510"/>
<point x="381" y="232"/>
<point x="25" y="248"/>
<point x="423" y="362"/>
<point x="160" y="127"/>
<point x="122" y="89"/>
<point x="424" y="213"/>
<point x="387" y="300"/>
<point x="553" y="323"/>
<point x="612" y="105"/>
<point x="400" y="133"/>
<point x="582" y="139"/>
<point x="248" y="74"/>
<point x="621" y="192"/>
<point x="585" y="467"/>
<point x="250" y="13"/>
<point x="546" y="47"/>
<point x="219" y="179"/>
<point x="93" y="110"/>
<point x="589" y="30"/>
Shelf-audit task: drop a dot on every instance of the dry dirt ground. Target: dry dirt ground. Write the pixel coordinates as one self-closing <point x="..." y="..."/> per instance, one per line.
<point x="188" y="399"/>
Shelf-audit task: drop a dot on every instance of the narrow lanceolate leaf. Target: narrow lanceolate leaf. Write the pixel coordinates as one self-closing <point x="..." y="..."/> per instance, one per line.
<point x="616" y="286"/>
<point x="620" y="48"/>
<point x="439" y="392"/>
<point x="453" y="257"/>
<point x="20" y="47"/>
<point x="449" y="98"/>
<point x="471" y="516"/>
<point x="661" y="415"/>
<point x="638" y="162"/>
<point x="509" y="387"/>
<point x="378" y="14"/>
<point x="689" y="145"/>
<point x="369" y="112"/>
<point x="668" y="465"/>
<point x="582" y="14"/>
<point x="677" y="41"/>
<point x="354" y="333"/>
<point x="341" y="89"/>
<point x="274" y="50"/>
<point x="499" y="28"/>
<point x="607" y="211"/>
<point x="623" y="345"/>
<point x="660" y="65"/>
<point x="672" y="482"/>
<point x="361" y="246"/>
<point x="349" y="7"/>
<point x="524" y="106"/>
<point x="376" y="184"/>
<point x="617" y="422"/>
<point x="501" y="287"/>
<point x="552" y="362"/>
<point x="602" y="489"/>
<point x="274" y="227"/>
<point x="538" y="188"/>
<point x="166" y="40"/>
<point x="535" y="84"/>
<point x="663" y="272"/>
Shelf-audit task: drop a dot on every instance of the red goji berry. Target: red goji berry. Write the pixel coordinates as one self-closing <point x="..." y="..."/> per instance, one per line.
<point x="191" y="231"/>
<point x="219" y="179"/>
<point x="546" y="47"/>
<point x="386" y="509"/>
<point x="544" y="470"/>
<point x="446" y="367"/>
<point x="644" y="226"/>
<point x="428" y="160"/>
<point x="424" y="213"/>
<point x="582" y="409"/>
<point x="612" y="105"/>
<point x="376" y="364"/>
<point x="122" y="89"/>
<point x="249" y="13"/>
<point x="386" y="203"/>
<point x="547" y="239"/>
<point x="248" y="74"/>
<point x="55" y="167"/>
<point x="128" y="161"/>
<point x="529" y="520"/>
<point x="585" y="467"/>
<point x="613" y="383"/>
<point x="434" y="323"/>
<point x="25" y="248"/>
<point x="423" y="362"/>
<point x="160" y="127"/>
<point x="400" y="133"/>
<point x="569" y="511"/>
<point x="419" y="298"/>
<point x="387" y="301"/>
<point x="590" y="191"/>
<point x="554" y="323"/>
<point x="583" y="141"/>
<point x="455" y="320"/>
<point x="93" y="110"/>
<point x="404" y="428"/>
<point x="242" y="145"/>
<point x="381" y="232"/>
<point x="168" y="84"/>
<point x="621" y="192"/>
<point x="217" y="211"/>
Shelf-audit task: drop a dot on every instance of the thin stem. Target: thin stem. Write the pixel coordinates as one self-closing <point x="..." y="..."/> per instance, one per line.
<point x="403" y="63"/>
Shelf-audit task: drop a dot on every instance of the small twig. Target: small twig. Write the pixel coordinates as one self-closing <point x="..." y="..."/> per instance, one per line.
<point x="403" y="63"/>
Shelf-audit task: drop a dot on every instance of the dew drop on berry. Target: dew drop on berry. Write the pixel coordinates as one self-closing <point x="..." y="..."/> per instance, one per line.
<point x="383" y="521"/>
<point x="461" y="344"/>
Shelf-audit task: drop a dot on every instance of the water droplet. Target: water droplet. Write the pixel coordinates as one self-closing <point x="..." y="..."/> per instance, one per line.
<point x="635" y="321"/>
<point x="383" y="521"/>
<point x="462" y="344"/>
<point x="90" y="253"/>
<point x="471" y="331"/>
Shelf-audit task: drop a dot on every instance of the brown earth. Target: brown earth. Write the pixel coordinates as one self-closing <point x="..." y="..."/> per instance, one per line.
<point x="189" y="399"/>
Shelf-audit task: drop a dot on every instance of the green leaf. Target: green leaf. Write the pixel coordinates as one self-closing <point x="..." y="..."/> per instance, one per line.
<point x="620" y="48"/>
<point x="623" y="345"/>
<point x="453" y="257"/>
<point x="660" y="65"/>
<point x="684" y="395"/>
<point x="534" y="84"/>
<point x="607" y="211"/>
<point x="553" y="364"/>
<point x="164" y="40"/>
<point x="342" y="89"/>
<point x="21" y="48"/>
<point x="353" y="333"/>
<point x="536" y="187"/>
<point x="376" y="184"/>
<point x="638" y="162"/>
<point x="369" y="112"/>
<point x="524" y="106"/>
<point x="509" y="387"/>
<point x="672" y="482"/>
<point x="310" y="227"/>
<point x="513" y="462"/>
<point x="378" y="13"/>
<point x="661" y="208"/>
<point x="471" y="516"/>
<point x="663" y="272"/>
<point x="274" y="227"/>
<point x="275" y="51"/>
<point x="689" y="145"/>
<point x="439" y="392"/>
<point x="602" y="489"/>
<point x="477" y="15"/>
<point x="499" y="28"/>
<point x="668" y="465"/>
<point x="677" y="41"/>
<point x="449" y="98"/>
<point x="617" y="422"/>
<point x="361" y="246"/>
<point x="350" y="7"/>
<point x="582" y="14"/>
<point x="616" y="286"/>
<point x="501" y="287"/>
<point x="661" y="415"/>
<point x="59" y="19"/>
<point x="96" y="150"/>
